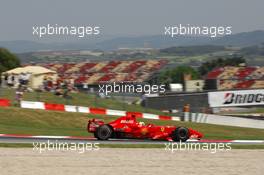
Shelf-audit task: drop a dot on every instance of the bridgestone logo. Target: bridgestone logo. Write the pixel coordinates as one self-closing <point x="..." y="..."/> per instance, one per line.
<point x="232" y="98"/>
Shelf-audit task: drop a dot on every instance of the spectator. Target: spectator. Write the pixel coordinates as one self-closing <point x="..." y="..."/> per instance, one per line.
<point x="45" y="83"/>
<point x="19" y="94"/>
<point x="66" y="94"/>
<point x="11" y="80"/>
<point x="21" y="78"/>
<point x="5" y="79"/>
<point x="59" y="92"/>
<point x="49" y="84"/>
<point x="27" y="77"/>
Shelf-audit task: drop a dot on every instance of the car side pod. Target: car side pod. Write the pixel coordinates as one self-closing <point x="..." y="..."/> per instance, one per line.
<point x="169" y="139"/>
<point x="162" y="135"/>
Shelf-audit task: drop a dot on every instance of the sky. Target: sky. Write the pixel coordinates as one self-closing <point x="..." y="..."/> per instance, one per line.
<point x="127" y="17"/>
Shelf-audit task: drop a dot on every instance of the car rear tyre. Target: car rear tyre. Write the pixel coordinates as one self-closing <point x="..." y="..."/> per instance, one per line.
<point x="103" y="132"/>
<point x="180" y="134"/>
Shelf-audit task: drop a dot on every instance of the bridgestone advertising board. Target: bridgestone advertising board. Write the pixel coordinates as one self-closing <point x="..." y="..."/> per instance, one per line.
<point x="236" y="98"/>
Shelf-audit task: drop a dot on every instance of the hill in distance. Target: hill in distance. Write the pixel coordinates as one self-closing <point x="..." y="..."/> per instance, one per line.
<point x="156" y="41"/>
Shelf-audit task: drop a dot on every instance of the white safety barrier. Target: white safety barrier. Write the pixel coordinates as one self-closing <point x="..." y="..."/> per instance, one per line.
<point x="223" y="120"/>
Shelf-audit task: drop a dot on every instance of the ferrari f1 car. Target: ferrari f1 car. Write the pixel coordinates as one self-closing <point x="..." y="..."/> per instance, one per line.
<point x="128" y="127"/>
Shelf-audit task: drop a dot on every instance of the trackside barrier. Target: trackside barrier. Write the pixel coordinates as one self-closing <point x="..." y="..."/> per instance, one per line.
<point x="32" y="105"/>
<point x="99" y="111"/>
<point x="150" y="116"/>
<point x="136" y="114"/>
<point x="224" y="120"/>
<point x="115" y="112"/>
<point x="83" y="109"/>
<point x="5" y="102"/>
<point x="70" y="108"/>
<point x="186" y="116"/>
<point x="54" y="107"/>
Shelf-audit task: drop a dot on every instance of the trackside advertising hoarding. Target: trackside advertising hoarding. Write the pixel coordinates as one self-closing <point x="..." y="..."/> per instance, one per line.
<point x="236" y="98"/>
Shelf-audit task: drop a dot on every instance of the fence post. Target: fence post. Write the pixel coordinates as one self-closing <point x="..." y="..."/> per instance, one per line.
<point x="186" y="116"/>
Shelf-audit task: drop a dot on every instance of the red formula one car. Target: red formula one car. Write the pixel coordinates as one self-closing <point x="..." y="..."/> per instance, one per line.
<point x="128" y="127"/>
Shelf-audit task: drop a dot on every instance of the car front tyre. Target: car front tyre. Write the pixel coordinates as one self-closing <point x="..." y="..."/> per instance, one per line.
<point x="180" y="134"/>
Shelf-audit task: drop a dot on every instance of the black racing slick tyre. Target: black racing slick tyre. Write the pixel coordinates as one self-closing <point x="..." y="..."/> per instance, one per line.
<point x="103" y="132"/>
<point x="180" y="134"/>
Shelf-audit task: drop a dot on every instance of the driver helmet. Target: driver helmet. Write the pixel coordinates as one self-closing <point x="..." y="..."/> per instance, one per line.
<point x="141" y="123"/>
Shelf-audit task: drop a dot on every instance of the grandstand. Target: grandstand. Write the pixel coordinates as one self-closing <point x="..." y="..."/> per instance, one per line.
<point x="94" y="73"/>
<point x="231" y="77"/>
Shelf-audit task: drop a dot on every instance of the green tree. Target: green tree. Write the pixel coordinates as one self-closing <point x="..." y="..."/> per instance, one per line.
<point x="206" y="67"/>
<point x="7" y="60"/>
<point x="176" y="75"/>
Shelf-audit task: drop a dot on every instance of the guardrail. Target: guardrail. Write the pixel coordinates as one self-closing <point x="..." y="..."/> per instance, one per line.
<point x="223" y="120"/>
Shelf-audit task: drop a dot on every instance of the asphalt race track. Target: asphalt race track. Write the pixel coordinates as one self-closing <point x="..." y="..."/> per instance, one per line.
<point x="67" y="139"/>
<point x="111" y="161"/>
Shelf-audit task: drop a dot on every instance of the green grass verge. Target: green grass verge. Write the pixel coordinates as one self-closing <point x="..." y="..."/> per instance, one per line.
<point x="39" y="122"/>
<point x="16" y="145"/>
<point x="78" y="99"/>
<point x="247" y="146"/>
